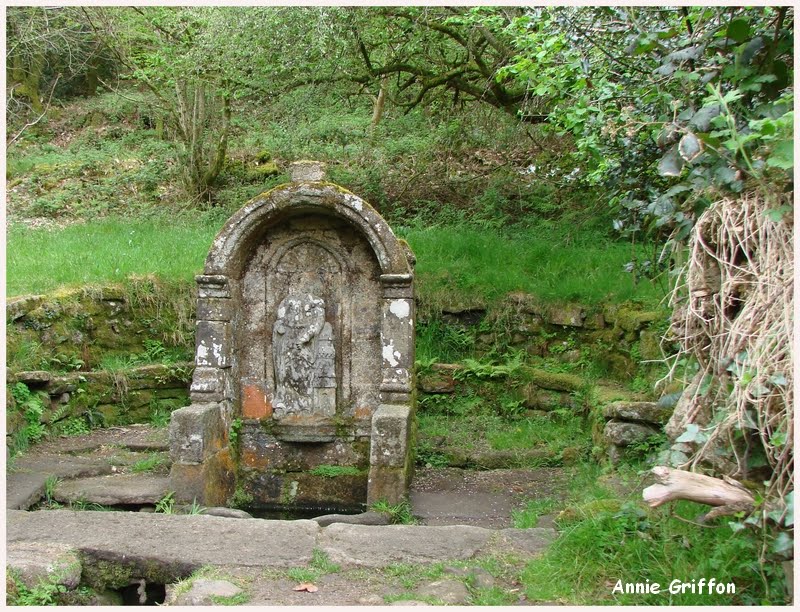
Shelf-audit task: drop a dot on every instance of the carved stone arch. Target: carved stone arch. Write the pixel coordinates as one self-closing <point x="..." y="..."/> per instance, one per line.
<point x="244" y="229"/>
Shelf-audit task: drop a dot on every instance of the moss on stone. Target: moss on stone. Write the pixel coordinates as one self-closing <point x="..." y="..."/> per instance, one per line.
<point x="555" y="381"/>
<point x="631" y="320"/>
<point x="101" y="574"/>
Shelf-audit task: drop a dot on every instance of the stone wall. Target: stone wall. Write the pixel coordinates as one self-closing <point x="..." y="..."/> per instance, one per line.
<point x="135" y="395"/>
<point x="81" y="328"/>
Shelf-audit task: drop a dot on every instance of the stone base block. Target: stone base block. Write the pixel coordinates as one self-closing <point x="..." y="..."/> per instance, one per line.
<point x="345" y="491"/>
<point x="210" y="483"/>
<point x="196" y="432"/>
<point x="390" y="454"/>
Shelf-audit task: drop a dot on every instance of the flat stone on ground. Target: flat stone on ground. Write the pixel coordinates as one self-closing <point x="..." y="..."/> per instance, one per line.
<point x="25" y="484"/>
<point x="114" y="490"/>
<point x="202" y="592"/>
<point x="483" y="509"/>
<point x="362" y="518"/>
<point x="174" y="544"/>
<point x="37" y="562"/>
<point x="365" y="546"/>
<point x="447" y="590"/>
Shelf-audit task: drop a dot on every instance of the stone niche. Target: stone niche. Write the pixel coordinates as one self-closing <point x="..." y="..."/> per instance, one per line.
<point x="302" y="392"/>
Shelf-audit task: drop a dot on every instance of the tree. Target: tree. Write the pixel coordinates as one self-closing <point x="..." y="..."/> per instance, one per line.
<point x="49" y="48"/>
<point x="667" y="105"/>
<point x="165" y="49"/>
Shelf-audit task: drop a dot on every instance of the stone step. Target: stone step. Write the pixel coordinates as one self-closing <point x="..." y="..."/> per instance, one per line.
<point x="114" y="489"/>
<point x="165" y="548"/>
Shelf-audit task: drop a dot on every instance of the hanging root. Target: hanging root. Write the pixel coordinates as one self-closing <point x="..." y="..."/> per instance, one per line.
<point x="734" y="314"/>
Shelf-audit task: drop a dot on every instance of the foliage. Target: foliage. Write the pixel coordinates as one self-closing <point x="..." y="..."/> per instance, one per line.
<point x="166" y="505"/>
<point x="49" y="488"/>
<point x="51" y="51"/>
<point x="149" y="464"/>
<point x="666" y="105"/>
<point x="738" y="340"/>
<point x="45" y="593"/>
<point x="332" y="471"/>
<point x="73" y="426"/>
<point x="31" y="406"/>
<point x="320" y="565"/>
<point x="527" y="517"/>
<point x="399" y="514"/>
<point x="638" y="545"/>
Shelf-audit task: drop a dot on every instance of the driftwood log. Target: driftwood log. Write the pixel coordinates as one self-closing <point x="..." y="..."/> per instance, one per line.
<point x="677" y="484"/>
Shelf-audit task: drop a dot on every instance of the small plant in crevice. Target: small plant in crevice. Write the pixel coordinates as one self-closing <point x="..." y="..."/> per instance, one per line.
<point x="166" y="505"/>
<point x="149" y="464"/>
<point x="399" y="514"/>
<point x="332" y="471"/>
<point x="234" y="433"/>
<point x="49" y="489"/>
<point x="73" y="426"/>
<point x="241" y="498"/>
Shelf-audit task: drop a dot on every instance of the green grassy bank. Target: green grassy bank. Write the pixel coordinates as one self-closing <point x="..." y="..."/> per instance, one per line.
<point x="461" y="263"/>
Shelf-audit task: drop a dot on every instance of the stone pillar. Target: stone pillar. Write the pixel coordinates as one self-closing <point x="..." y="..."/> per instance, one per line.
<point x="202" y="469"/>
<point x="397" y="338"/>
<point x="391" y="457"/>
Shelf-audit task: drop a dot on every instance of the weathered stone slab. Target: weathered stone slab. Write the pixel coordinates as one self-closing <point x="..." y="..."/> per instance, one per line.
<point x="355" y="545"/>
<point x="362" y="518"/>
<point x="113" y="490"/>
<point x="33" y="378"/>
<point x="217" y="511"/>
<point x="202" y="593"/>
<point x="18" y="307"/>
<point x="531" y="541"/>
<point x="440" y="378"/>
<point x="443" y="508"/>
<point x="174" y="545"/>
<point x="25" y="485"/>
<point x="37" y="562"/>
<point x="568" y="315"/>
<point x="390" y="431"/>
<point x="622" y="433"/>
<point x="555" y="381"/>
<point x="648" y="412"/>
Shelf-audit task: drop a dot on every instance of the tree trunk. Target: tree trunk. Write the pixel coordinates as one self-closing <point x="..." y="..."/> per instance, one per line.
<point x="380" y="103"/>
<point x="28" y="78"/>
<point x="677" y="484"/>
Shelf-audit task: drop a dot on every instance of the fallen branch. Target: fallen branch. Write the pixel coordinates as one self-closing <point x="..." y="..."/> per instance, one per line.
<point x="678" y="484"/>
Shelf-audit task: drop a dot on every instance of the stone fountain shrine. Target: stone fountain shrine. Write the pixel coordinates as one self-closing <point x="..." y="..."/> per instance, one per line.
<point x="302" y="394"/>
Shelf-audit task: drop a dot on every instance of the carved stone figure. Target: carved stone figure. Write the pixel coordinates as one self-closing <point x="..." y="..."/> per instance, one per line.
<point x="304" y="356"/>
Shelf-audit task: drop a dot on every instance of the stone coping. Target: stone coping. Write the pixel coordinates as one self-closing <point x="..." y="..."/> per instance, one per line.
<point x="176" y="545"/>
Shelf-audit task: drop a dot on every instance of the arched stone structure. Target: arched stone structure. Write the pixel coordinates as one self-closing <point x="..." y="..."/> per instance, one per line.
<point x="304" y="356"/>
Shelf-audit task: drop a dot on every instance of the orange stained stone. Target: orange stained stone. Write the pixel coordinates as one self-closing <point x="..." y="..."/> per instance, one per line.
<point x="255" y="404"/>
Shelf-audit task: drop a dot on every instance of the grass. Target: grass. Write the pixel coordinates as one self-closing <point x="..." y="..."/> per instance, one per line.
<point x="552" y="431"/>
<point x="473" y="266"/>
<point x="455" y="264"/>
<point x="319" y="566"/>
<point x="332" y="471"/>
<point x="529" y="516"/>
<point x="107" y="250"/>
<point x="399" y="514"/>
<point x="149" y="464"/>
<point x="616" y="537"/>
